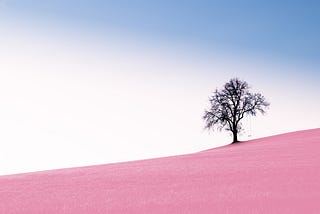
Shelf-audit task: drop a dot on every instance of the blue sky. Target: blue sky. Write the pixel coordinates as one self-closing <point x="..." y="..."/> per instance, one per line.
<point x="282" y="29"/>
<point x="94" y="82"/>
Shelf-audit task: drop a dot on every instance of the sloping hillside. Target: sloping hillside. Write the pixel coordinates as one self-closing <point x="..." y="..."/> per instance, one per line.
<point x="278" y="174"/>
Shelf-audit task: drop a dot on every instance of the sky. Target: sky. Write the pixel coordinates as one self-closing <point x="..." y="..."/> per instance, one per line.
<point x="93" y="82"/>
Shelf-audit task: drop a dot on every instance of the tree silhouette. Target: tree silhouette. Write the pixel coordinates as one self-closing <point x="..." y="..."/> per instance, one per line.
<point x="230" y="104"/>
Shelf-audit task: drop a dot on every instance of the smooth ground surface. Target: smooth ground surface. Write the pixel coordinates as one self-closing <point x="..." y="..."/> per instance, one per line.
<point x="278" y="174"/>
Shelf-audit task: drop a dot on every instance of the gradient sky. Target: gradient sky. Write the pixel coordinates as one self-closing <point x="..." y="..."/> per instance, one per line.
<point x="91" y="82"/>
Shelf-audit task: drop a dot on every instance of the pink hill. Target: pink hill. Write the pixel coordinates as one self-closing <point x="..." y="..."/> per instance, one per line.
<point x="278" y="174"/>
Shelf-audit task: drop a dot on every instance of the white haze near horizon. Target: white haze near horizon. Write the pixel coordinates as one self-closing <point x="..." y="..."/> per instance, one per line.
<point x="73" y="100"/>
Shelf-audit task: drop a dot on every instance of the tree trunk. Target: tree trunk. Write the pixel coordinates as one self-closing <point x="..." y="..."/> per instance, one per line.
<point x="235" y="136"/>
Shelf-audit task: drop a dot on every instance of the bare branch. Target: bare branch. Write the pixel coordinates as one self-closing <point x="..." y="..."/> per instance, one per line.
<point x="231" y="104"/>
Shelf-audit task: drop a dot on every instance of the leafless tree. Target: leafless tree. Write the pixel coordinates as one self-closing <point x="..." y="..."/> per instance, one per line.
<point x="231" y="104"/>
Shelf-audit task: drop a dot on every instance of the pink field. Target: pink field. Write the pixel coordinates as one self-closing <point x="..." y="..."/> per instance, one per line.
<point x="278" y="174"/>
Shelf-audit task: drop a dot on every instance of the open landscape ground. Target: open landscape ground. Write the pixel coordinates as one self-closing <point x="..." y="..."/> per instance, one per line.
<point x="277" y="174"/>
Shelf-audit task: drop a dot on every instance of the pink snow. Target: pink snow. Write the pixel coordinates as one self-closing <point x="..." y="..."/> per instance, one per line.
<point x="278" y="174"/>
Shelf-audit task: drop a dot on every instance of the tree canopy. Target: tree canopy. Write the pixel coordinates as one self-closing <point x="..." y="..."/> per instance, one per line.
<point x="231" y="104"/>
